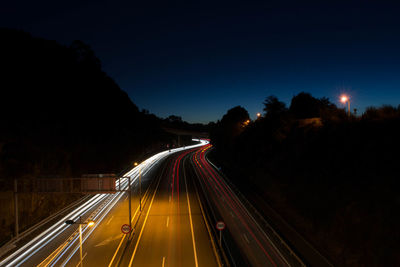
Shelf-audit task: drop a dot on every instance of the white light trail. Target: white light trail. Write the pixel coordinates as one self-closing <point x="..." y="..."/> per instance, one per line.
<point x="33" y="246"/>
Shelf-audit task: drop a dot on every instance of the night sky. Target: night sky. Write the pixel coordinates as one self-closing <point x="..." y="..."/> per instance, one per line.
<point x="197" y="59"/>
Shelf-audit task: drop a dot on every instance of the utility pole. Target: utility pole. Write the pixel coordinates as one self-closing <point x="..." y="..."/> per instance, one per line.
<point x="348" y="107"/>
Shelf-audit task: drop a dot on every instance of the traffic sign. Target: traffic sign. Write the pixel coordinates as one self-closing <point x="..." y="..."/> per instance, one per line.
<point x="220" y="225"/>
<point x="126" y="229"/>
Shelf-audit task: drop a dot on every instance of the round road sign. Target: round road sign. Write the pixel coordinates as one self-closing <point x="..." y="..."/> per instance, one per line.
<point x="126" y="229"/>
<point x="220" y="225"/>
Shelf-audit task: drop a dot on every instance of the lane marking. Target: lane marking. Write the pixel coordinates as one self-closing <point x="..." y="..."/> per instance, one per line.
<point x="82" y="259"/>
<point x="191" y="222"/>
<point x="108" y="222"/>
<point x="124" y="236"/>
<point x="167" y="221"/>
<point x="145" y="197"/>
<point x="144" y="224"/>
<point x="216" y="254"/>
<point x="163" y="261"/>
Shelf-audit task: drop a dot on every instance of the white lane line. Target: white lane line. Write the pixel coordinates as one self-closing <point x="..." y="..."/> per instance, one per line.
<point x="108" y="222"/>
<point x="191" y="222"/>
<point x="125" y="198"/>
<point x="245" y="237"/>
<point x="167" y="221"/>
<point x="163" y="261"/>
<point x="144" y="224"/>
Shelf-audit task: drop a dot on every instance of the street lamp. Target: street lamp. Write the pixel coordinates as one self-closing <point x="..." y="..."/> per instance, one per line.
<point x="344" y="99"/>
<point x="258" y="115"/>
<point x="90" y="224"/>
<point x="140" y="186"/>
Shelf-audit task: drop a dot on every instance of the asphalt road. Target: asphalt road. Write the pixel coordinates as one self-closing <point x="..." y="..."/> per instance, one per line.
<point x="172" y="231"/>
<point x="103" y="244"/>
<point x="259" y="245"/>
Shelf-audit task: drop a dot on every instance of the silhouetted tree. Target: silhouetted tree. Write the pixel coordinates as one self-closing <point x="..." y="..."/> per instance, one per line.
<point x="273" y="107"/>
<point x="321" y="179"/>
<point x="304" y="106"/>
<point x="383" y="112"/>
<point x="329" y="111"/>
<point x="231" y="125"/>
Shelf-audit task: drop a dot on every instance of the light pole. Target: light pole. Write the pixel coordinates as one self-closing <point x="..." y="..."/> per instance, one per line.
<point x="90" y="224"/>
<point x="130" y="198"/>
<point x="345" y="99"/>
<point x="140" y="186"/>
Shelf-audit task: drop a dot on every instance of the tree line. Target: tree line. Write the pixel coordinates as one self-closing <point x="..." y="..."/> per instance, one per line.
<point x="333" y="177"/>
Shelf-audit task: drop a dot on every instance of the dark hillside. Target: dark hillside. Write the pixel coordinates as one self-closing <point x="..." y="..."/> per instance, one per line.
<point x="336" y="182"/>
<point x="61" y="114"/>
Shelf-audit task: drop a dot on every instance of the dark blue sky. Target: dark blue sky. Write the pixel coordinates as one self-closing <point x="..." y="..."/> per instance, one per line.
<point x="197" y="59"/>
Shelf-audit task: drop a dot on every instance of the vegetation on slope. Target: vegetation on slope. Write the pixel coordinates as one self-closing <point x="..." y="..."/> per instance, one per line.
<point x="333" y="178"/>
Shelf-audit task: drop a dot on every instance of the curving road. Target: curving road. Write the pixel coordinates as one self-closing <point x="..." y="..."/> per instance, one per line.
<point x="58" y="243"/>
<point x="260" y="246"/>
<point x="183" y="197"/>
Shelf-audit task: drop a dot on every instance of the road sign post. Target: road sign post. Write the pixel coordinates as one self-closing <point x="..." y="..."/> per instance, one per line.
<point x="126" y="229"/>
<point x="220" y="226"/>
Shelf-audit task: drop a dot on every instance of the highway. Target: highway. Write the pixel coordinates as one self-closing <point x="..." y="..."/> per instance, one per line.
<point x="172" y="231"/>
<point x="183" y="196"/>
<point x="258" y="245"/>
<point x="58" y="244"/>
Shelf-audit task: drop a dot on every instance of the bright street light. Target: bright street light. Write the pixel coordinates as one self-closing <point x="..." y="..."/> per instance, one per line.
<point x="344" y="99"/>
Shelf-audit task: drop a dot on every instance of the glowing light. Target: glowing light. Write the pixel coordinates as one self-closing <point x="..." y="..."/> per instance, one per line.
<point x="344" y="98"/>
<point x="25" y="252"/>
<point x="258" y="115"/>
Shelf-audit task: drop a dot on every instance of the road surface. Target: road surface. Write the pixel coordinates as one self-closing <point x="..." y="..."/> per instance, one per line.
<point x="172" y="230"/>
<point x="259" y="245"/>
<point x="58" y="244"/>
<point x="183" y="196"/>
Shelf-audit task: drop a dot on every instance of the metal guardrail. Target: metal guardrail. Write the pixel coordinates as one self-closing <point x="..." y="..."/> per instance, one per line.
<point x="55" y="253"/>
<point x="230" y="253"/>
<point x="10" y="244"/>
<point x="260" y="217"/>
<point x="251" y="211"/>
